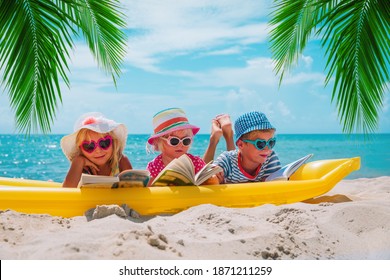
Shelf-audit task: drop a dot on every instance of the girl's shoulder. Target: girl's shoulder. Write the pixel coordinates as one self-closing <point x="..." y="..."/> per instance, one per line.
<point x="156" y="160"/>
<point x="197" y="161"/>
<point x="124" y="163"/>
<point x="195" y="158"/>
<point x="155" y="166"/>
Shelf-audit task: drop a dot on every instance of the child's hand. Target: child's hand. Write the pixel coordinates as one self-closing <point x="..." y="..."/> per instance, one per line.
<point x="87" y="164"/>
<point x="216" y="130"/>
<point x="211" y="181"/>
<point x="221" y="177"/>
<point x="226" y="124"/>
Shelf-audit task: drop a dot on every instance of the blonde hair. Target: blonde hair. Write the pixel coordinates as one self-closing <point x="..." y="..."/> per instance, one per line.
<point x="157" y="145"/>
<point x="117" y="146"/>
<point x="251" y="134"/>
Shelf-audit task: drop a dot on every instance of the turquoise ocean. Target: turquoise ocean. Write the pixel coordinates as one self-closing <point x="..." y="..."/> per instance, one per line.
<point x="40" y="157"/>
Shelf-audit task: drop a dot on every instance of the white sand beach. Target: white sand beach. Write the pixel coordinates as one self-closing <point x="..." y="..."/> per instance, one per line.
<point x="350" y="222"/>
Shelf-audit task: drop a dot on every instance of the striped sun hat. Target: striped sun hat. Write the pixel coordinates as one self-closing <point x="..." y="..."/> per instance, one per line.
<point x="169" y="120"/>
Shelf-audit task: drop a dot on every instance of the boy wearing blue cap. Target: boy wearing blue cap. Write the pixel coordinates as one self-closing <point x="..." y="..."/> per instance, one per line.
<point x="254" y="160"/>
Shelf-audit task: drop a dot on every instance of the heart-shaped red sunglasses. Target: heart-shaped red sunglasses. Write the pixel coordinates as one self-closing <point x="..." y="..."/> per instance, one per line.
<point x="90" y="146"/>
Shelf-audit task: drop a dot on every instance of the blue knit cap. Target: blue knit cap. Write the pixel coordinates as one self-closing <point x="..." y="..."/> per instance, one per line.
<point x="251" y="121"/>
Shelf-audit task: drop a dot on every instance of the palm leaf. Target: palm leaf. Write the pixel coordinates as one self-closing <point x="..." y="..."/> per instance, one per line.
<point x="32" y="55"/>
<point x="292" y="25"/>
<point x="355" y="34"/>
<point x="35" y="37"/>
<point x="100" y="21"/>
<point x="356" y="37"/>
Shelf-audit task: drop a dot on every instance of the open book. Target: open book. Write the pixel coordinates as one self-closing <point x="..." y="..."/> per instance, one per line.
<point x="181" y="172"/>
<point x="126" y="179"/>
<point x="286" y="171"/>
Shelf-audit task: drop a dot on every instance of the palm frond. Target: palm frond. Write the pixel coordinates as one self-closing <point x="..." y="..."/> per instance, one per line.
<point x="292" y="25"/>
<point x="101" y="22"/>
<point x="35" y="37"/>
<point x="33" y="54"/>
<point x="356" y="37"/>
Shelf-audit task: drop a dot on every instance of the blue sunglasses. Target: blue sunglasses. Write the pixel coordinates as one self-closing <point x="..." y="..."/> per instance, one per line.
<point x="260" y="144"/>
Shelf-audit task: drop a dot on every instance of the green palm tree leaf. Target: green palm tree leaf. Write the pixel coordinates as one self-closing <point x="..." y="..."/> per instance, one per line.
<point x="31" y="73"/>
<point x="35" y="40"/>
<point x="292" y="25"/>
<point x="101" y="22"/>
<point x="355" y="34"/>
<point x="357" y="45"/>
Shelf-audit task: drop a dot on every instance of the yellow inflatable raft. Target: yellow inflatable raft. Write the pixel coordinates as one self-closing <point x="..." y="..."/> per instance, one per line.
<point x="41" y="197"/>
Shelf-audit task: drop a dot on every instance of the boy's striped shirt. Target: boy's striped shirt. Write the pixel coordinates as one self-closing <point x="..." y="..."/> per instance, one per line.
<point x="228" y="160"/>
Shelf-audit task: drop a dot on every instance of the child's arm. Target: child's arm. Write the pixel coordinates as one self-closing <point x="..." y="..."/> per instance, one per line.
<point x="227" y="130"/>
<point x="150" y="181"/>
<point x="221" y="125"/>
<point x="76" y="169"/>
<point x="216" y="133"/>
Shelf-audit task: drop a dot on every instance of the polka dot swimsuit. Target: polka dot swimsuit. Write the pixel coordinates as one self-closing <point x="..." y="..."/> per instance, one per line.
<point x="156" y="166"/>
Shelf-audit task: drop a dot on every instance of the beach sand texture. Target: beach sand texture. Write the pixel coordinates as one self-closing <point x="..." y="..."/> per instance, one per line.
<point x="352" y="221"/>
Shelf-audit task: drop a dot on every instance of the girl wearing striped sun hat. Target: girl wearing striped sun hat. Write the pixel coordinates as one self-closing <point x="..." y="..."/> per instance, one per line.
<point x="170" y="120"/>
<point x="172" y="137"/>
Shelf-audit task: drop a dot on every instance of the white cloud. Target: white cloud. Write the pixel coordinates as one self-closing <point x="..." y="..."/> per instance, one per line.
<point x="168" y="13"/>
<point x="227" y="51"/>
<point x="244" y="99"/>
<point x="256" y="72"/>
<point x="158" y="29"/>
<point x="143" y="60"/>
<point x="308" y="61"/>
<point x="304" y="77"/>
<point x="81" y="57"/>
<point x="284" y="110"/>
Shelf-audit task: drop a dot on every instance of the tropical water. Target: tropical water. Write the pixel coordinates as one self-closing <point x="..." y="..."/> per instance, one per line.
<point x="40" y="157"/>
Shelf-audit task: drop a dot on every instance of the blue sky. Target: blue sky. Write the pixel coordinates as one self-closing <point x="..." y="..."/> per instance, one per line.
<point x="207" y="57"/>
